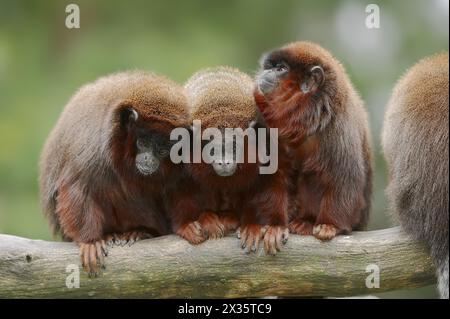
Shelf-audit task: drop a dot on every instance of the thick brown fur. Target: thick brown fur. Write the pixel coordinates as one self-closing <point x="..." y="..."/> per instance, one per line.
<point x="90" y="188"/>
<point x="325" y="132"/>
<point x="415" y="144"/>
<point x="212" y="205"/>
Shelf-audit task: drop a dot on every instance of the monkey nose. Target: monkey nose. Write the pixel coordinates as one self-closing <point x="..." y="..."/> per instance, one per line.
<point x="224" y="167"/>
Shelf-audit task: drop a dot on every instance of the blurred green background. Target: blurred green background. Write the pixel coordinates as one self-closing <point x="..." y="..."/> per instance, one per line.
<point x="42" y="63"/>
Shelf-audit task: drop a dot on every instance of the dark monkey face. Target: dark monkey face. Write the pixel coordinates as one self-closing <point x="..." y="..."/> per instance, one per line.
<point x="151" y="149"/>
<point x="295" y="91"/>
<point x="279" y="68"/>
<point x="149" y="146"/>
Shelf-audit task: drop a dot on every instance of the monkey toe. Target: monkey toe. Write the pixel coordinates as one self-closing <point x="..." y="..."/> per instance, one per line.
<point x="211" y="225"/>
<point x="325" y="231"/>
<point x="127" y="238"/>
<point x="133" y="236"/>
<point x="301" y="227"/>
<point x="192" y="232"/>
<point x="92" y="257"/>
<point x="251" y="236"/>
<point x="275" y="238"/>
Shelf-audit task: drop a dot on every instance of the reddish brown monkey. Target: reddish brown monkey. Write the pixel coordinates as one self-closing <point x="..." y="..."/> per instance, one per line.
<point x="415" y="144"/>
<point x="305" y="92"/>
<point x="219" y="195"/>
<point x="105" y="165"/>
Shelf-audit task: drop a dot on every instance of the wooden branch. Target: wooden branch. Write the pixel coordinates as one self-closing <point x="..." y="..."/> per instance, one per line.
<point x="168" y="267"/>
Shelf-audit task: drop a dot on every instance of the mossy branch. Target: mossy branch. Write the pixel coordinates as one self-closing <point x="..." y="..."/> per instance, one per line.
<point x="169" y="267"/>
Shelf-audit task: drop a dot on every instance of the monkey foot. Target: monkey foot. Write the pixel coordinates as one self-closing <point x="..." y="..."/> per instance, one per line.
<point x="192" y="232"/>
<point x="93" y="257"/>
<point x="231" y="223"/>
<point x="211" y="225"/>
<point x="275" y="238"/>
<point x="251" y="236"/>
<point x="301" y="227"/>
<point x="325" y="231"/>
<point x="127" y="238"/>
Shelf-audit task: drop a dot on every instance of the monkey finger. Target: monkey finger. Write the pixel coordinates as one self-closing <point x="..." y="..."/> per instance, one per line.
<point x="197" y="228"/>
<point x="93" y="262"/>
<point x="264" y="230"/>
<point x="249" y="243"/>
<point x="285" y="236"/>
<point x="104" y="247"/>
<point x="255" y="245"/>
<point x="243" y="237"/>
<point x="84" y="256"/>
<point x="109" y="240"/>
<point x="99" y="254"/>
<point x="270" y="243"/>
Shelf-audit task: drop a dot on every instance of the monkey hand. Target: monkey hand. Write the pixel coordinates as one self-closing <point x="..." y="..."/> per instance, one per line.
<point x="275" y="237"/>
<point x="211" y="225"/>
<point x="93" y="257"/>
<point x="301" y="227"/>
<point x="251" y="236"/>
<point x="127" y="238"/>
<point x="325" y="231"/>
<point x="192" y="232"/>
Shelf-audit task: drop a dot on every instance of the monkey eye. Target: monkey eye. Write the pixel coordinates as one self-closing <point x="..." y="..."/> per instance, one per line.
<point x="280" y="68"/>
<point x="142" y="143"/>
<point x="163" y="152"/>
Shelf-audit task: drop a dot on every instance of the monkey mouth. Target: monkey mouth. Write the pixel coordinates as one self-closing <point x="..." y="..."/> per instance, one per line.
<point x="266" y="86"/>
<point x="146" y="170"/>
<point x="225" y="173"/>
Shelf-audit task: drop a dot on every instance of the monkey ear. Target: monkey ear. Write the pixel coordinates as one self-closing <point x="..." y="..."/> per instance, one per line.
<point x="128" y="115"/>
<point x="313" y="80"/>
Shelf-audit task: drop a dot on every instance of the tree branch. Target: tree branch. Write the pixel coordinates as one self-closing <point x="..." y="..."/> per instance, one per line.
<point x="168" y="267"/>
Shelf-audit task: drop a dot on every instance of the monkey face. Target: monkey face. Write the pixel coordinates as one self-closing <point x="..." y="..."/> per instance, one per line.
<point x="296" y="90"/>
<point x="269" y="78"/>
<point x="226" y="164"/>
<point x="148" y="142"/>
<point x="281" y="70"/>
<point x="151" y="149"/>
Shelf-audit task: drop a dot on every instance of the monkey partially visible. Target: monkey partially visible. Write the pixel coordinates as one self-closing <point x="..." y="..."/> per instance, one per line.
<point x="415" y="143"/>
<point x="225" y="193"/>
<point x="305" y="92"/>
<point x="105" y="164"/>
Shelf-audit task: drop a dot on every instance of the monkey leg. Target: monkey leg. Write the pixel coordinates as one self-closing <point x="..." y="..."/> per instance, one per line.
<point x="93" y="257"/>
<point x="80" y="219"/>
<point x="184" y="213"/>
<point x="273" y="207"/>
<point x="333" y="218"/>
<point x="211" y="225"/>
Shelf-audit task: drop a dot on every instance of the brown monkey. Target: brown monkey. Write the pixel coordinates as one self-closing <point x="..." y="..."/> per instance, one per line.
<point x="415" y="144"/>
<point x="105" y="164"/>
<point x="219" y="195"/>
<point x="305" y="92"/>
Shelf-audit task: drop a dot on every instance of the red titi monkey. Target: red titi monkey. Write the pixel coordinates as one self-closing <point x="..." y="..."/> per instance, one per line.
<point x="305" y="92"/>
